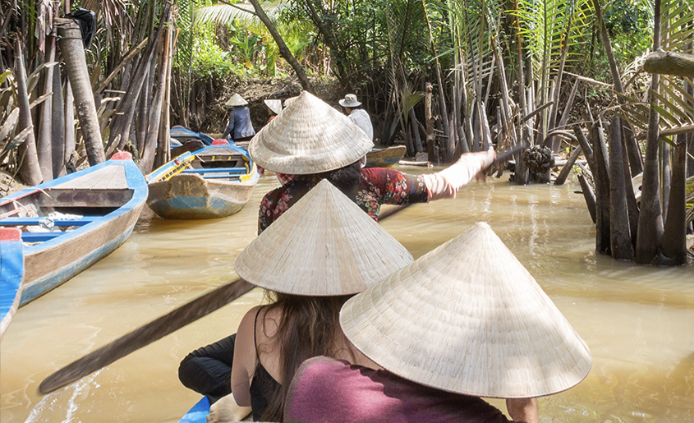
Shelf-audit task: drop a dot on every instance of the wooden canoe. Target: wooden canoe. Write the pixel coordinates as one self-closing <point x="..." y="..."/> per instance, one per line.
<point x="11" y="274"/>
<point x="197" y="414"/>
<point x="102" y="204"/>
<point x="213" y="182"/>
<point x="385" y="157"/>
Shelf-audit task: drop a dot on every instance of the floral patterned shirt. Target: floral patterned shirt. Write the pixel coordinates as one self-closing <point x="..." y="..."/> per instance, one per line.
<point x="377" y="186"/>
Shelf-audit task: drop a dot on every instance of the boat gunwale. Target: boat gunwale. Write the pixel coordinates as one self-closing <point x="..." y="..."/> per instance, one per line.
<point x="136" y="184"/>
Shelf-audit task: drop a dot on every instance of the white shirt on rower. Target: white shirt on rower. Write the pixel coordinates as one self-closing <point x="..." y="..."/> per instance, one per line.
<point x="362" y="119"/>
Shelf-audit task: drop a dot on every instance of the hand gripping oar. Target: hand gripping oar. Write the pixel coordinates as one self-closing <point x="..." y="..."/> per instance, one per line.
<point x="169" y="323"/>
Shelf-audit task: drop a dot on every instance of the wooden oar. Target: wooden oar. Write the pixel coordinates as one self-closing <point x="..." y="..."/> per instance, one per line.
<point x="168" y="323"/>
<point x="145" y="335"/>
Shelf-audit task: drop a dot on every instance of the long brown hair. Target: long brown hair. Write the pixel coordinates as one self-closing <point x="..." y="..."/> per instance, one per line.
<point x="309" y="327"/>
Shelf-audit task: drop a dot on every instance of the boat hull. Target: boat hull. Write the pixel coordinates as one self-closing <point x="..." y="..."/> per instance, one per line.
<point x="197" y="414"/>
<point x="117" y="185"/>
<point x="385" y="157"/>
<point x="193" y="197"/>
<point x="11" y="275"/>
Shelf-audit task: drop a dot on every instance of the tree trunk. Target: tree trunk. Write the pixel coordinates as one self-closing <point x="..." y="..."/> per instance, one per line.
<point x="429" y="120"/>
<point x="674" y="235"/>
<point x="164" y="147"/>
<point x="620" y="236"/>
<point x="650" y="229"/>
<point x="442" y="94"/>
<point x="149" y="152"/>
<point x="69" y="128"/>
<point x="635" y="161"/>
<point x="585" y="146"/>
<point x="567" y="167"/>
<point x="284" y="50"/>
<point x="415" y="133"/>
<point x="44" y="147"/>
<point x="670" y="63"/>
<point x="58" y="125"/>
<point x="589" y="196"/>
<point x="602" y="191"/>
<point x="72" y="51"/>
<point x="29" y="170"/>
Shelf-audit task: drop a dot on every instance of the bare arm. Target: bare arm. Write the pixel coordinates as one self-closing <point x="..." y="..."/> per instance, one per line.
<point x="446" y="183"/>
<point x="244" y="359"/>
<point x="523" y="409"/>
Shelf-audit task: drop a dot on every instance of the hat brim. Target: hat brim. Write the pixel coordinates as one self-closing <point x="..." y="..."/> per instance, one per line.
<point x="343" y="103"/>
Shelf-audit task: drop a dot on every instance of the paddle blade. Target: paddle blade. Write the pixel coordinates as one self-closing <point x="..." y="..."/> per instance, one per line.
<point x="145" y="335"/>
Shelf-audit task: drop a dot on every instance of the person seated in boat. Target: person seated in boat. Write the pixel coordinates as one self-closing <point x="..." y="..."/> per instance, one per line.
<point x="464" y="321"/>
<point x="274" y="107"/>
<point x="240" y="127"/>
<point x="326" y="146"/>
<point x="356" y="114"/>
<point x="311" y="141"/>
<point x="311" y="260"/>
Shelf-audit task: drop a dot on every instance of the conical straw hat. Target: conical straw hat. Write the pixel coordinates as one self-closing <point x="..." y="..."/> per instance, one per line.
<point x="468" y="318"/>
<point x="309" y="137"/>
<point x="236" y="100"/>
<point x="324" y="245"/>
<point x="274" y="105"/>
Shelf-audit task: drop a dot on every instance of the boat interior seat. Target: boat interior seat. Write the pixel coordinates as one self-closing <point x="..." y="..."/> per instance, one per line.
<point x="217" y="170"/>
<point x="40" y="236"/>
<point x="31" y="221"/>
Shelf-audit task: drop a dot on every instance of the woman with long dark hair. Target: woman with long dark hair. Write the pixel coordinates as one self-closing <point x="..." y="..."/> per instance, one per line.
<point x="312" y="259"/>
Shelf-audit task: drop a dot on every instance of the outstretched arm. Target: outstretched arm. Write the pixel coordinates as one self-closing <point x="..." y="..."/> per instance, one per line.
<point x="446" y="183"/>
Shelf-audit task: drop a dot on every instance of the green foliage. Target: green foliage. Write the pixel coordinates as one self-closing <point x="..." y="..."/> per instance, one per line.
<point x="208" y="58"/>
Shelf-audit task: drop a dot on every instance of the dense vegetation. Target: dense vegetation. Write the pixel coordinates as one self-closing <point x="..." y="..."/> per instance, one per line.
<point x="444" y="77"/>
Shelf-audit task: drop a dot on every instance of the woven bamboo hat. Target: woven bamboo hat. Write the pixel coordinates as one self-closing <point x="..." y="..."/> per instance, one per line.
<point x="236" y="100"/>
<point x="468" y="318"/>
<point x="309" y="137"/>
<point x="274" y="105"/>
<point x="324" y="245"/>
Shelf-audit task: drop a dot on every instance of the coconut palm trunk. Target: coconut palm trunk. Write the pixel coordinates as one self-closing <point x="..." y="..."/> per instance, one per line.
<point x="72" y="50"/>
<point x="29" y="170"/>
<point x="650" y="229"/>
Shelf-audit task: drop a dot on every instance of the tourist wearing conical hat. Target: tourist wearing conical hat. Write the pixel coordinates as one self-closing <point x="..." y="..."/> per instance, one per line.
<point x="240" y="127"/>
<point x="274" y="107"/>
<point x="464" y="321"/>
<point x="311" y="141"/>
<point x="312" y="259"/>
<point x="356" y="114"/>
<point x="308" y="142"/>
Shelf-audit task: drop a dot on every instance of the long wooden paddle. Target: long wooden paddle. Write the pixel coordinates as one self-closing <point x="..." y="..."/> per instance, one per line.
<point x="168" y="323"/>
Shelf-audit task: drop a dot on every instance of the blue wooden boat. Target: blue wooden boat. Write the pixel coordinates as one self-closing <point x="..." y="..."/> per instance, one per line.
<point x="385" y="157"/>
<point x="73" y="221"/>
<point x="213" y="182"/>
<point x="11" y="274"/>
<point x="197" y="414"/>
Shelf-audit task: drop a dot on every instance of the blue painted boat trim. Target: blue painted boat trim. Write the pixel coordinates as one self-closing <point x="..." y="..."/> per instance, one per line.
<point x="197" y="414"/>
<point x="212" y="207"/>
<point x="135" y="181"/>
<point x="52" y="280"/>
<point x="165" y="168"/>
<point x="11" y="275"/>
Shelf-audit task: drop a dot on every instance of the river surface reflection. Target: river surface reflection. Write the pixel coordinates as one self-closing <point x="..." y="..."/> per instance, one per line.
<point x="637" y="321"/>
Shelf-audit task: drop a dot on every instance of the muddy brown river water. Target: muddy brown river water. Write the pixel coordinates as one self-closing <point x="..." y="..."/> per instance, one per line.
<point x="638" y="321"/>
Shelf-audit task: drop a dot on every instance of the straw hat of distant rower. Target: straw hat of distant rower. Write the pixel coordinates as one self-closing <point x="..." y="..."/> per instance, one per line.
<point x="309" y="137"/>
<point x="235" y="101"/>
<point x="324" y="245"/>
<point x="274" y="105"/>
<point x="468" y="318"/>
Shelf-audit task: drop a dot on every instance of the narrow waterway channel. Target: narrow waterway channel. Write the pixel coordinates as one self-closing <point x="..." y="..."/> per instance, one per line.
<point x="637" y="321"/>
